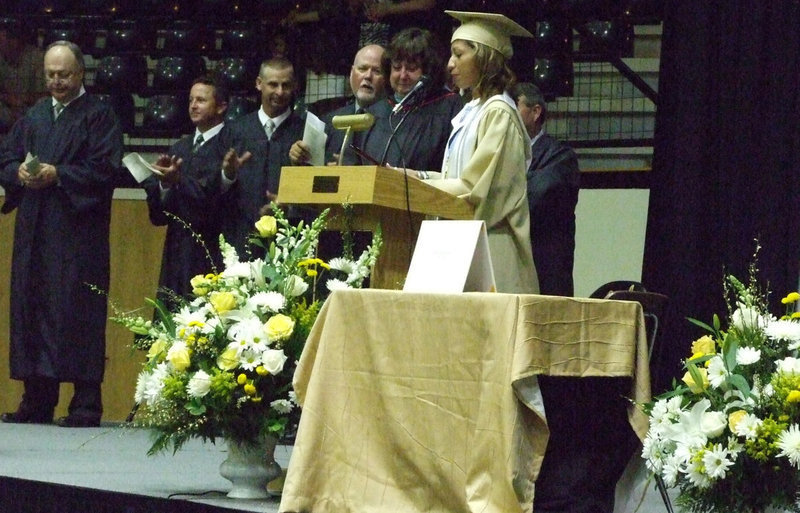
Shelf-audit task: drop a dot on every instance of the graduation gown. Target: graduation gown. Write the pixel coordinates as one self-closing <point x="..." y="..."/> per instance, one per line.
<point x="486" y="165"/>
<point x="194" y="199"/>
<point x="260" y="174"/>
<point x="419" y="140"/>
<point x="553" y="184"/>
<point x="61" y="239"/>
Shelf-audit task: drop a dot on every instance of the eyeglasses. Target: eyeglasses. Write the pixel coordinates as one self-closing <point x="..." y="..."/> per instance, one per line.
<point x="54" y="76"/>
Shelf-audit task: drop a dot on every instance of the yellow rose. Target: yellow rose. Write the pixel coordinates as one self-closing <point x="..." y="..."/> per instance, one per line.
<point x="734" y="418"/>
<point x="279" y="327"/>
<point x="222" y="301"/>
<point x="179" y="356"/>
<point x="228" y="359"/>
<point x="157" y="349"/>
<point x="199" y="285"/>
<point x="793" y="397"/>
<point x="694" y="387"/>
<point x="267" y="226"/>
<point x="703" y="346"/>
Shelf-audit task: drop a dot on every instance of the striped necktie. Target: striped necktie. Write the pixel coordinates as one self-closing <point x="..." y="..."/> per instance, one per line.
<point x="58" y="108"/>
<point x="197" y="143"/>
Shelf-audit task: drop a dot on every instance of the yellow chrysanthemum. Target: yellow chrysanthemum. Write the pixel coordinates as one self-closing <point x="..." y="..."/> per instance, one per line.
<point x="261" y="371"/>
<point x="249" y="389"/>
<point x="793" y="397"/>
<point x="241" y="379"/>
<point x="792" y="297"/>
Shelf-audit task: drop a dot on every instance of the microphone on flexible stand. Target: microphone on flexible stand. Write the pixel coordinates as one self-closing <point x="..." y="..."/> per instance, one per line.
<point x="423" y="81"/>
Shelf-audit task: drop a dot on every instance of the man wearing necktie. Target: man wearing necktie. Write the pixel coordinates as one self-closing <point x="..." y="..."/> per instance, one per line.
<point x="187" y="192"/>
<point x="60" y="242"/>
<point x="255" y="147"/>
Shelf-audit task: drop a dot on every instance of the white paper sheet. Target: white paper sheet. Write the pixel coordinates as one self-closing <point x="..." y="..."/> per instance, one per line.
<point x="139" y="168"/>
<point x="315" y="137"/>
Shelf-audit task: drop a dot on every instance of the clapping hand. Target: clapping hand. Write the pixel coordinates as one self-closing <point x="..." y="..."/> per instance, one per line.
<point x="170" y="169"/>
<point x="232" y="162"/>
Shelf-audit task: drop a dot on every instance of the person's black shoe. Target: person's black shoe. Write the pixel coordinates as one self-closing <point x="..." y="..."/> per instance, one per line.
<point x="25" y="417"/>
<point x="77" y="421"/>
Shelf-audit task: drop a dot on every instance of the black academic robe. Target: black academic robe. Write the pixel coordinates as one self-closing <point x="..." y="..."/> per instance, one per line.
<point x="553" y="184"/>
<point x="61" y="239"/>
<point x="420" y="139"/>
<point x="194" y="200"/>
<point x="242" y="202"/>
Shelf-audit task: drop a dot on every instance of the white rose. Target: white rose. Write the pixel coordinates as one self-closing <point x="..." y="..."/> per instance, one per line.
<point x="713" y="423"/>
<point x="273" y="360"/>
<point x="199" y="385"/>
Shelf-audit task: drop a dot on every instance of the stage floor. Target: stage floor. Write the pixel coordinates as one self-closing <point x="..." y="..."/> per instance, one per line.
<point x="110" y="463"/>
<point x="114" y="459"/>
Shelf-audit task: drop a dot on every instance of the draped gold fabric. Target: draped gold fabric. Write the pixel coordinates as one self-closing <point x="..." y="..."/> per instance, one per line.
<point x="430" y="403"/>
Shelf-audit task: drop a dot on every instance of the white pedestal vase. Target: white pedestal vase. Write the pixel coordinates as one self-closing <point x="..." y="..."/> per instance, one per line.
<point x="249" y="468"/>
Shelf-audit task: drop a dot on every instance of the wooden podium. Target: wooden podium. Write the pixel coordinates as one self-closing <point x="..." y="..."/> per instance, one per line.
<point x="380" y="197"/>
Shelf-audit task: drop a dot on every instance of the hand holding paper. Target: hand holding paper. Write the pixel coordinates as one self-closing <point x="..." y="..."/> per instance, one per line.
<point x="314" y="138"/>
<point x="32" y="164"/>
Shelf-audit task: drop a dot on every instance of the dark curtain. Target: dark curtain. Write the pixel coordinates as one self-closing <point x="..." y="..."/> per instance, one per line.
<point x="726" y="161"/>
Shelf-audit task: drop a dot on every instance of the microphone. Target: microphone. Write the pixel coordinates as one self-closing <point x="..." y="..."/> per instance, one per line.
<point x="423" y="81"/>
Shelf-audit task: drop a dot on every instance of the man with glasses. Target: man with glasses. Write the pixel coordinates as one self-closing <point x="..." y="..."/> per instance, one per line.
<point x="61" y="250"/>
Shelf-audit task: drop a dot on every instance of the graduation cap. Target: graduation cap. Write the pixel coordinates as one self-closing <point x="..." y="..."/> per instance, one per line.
<point x="491" y="29"/>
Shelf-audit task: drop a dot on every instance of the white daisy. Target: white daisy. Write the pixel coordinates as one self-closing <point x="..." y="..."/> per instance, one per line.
<point x="784" y="330"/>
<point x="282" y="405"/>
<point x="717" y="373"/>
<point x="747" y="355"/>
<point x="271" y="301"/>
<point x="336" y="284"/>
<point x="717" y="461"/>
<point x="342" y="264"/>
<point x="789" y="443"/>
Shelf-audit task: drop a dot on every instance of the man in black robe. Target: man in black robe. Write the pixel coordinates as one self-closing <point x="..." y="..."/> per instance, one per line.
<point x="61" y="242"/>
<point x="553" y="184"/>
<point x="187" y="192"/>
<point x="367" y="83"/>
<point x="257" y="147"/>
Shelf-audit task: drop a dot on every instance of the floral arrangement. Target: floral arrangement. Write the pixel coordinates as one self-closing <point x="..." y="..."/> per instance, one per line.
<point x="728" y="434"/>
<point x="221" y="363"/>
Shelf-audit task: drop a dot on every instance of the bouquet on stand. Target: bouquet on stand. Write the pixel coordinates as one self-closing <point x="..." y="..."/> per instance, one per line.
<point x="728" y="434"/>
<point x="221" y="363"/>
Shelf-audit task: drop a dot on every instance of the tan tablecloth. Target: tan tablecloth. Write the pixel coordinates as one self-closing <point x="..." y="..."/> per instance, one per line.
<point x="430" y="403"/>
